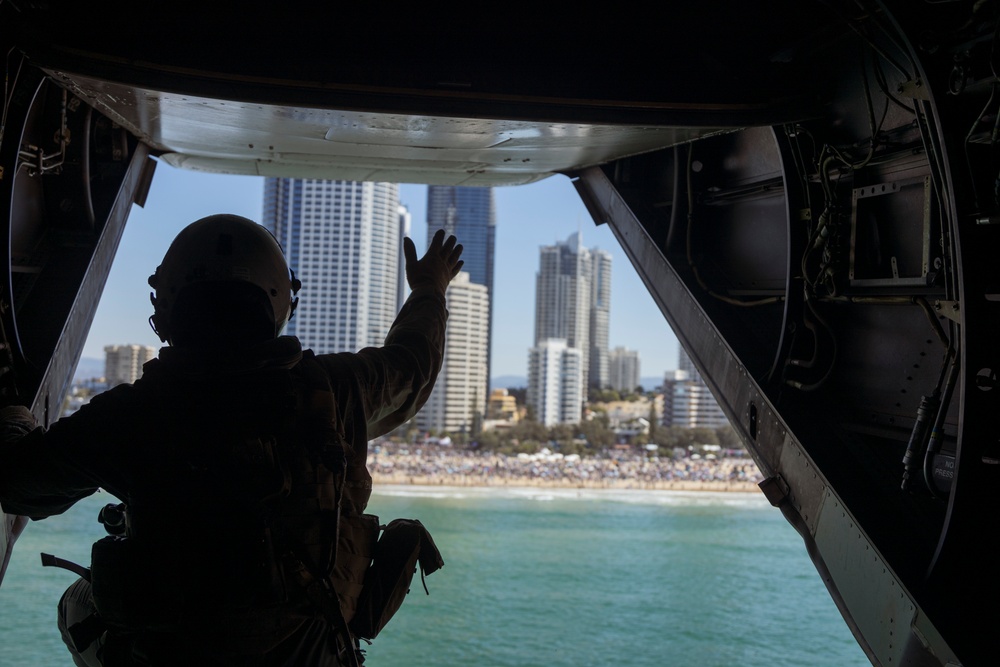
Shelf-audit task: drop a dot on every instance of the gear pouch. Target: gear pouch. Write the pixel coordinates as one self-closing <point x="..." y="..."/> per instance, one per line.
<point x="403" y="544"/>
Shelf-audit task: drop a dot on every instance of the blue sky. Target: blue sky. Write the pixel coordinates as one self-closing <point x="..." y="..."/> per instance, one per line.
<point x="528" y="217"/>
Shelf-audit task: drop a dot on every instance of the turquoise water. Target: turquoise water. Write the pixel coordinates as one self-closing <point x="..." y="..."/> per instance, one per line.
<point x="553" y="578"/>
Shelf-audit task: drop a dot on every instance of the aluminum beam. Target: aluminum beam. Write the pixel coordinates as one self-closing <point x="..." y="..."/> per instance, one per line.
<point x="884" y="616"/>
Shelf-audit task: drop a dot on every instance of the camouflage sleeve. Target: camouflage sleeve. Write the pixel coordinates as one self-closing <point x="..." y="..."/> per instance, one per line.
<point x="389" y="384"/>
<point x="44" y="472"/>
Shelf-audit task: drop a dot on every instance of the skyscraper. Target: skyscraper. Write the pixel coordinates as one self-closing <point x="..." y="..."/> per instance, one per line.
<point x="470" y="214"/>
<point x="572" y="302"/>
<point x="342" y="240"/>
<point x="123" y="363"/>
<point x="623" y="369"/>
<point x="458" y="402"/>
<point x="555" y="382"/>
<point x="693" y="405"/>
<point x="600" y="313"/>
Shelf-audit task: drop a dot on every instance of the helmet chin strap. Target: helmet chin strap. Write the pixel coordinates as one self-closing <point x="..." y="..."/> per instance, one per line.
<point x="154" y="320"/>
<point x="296" y="286"/>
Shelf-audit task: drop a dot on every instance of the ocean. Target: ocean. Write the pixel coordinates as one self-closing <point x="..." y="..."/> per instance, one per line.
<point x="543" y="577"/>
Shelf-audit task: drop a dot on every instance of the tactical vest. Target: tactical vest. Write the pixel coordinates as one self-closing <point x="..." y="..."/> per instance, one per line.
<point x="238" y="535"/>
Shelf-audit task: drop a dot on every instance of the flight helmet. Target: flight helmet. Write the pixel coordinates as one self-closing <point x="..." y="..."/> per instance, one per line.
<point x="216" y="257"/>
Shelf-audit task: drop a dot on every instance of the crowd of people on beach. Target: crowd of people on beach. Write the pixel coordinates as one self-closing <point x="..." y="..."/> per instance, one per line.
<point x="613" y="470"/>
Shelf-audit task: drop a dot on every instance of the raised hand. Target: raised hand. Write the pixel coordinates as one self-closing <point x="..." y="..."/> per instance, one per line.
<point x="439" y="264"/>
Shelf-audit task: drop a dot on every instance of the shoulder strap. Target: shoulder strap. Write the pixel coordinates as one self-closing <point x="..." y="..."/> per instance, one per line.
<point x="319" y="409"/>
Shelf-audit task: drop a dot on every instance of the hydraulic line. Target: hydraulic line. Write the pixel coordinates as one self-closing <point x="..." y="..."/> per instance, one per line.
<point x="918" y="436"/>
<point x="802" y="386"/>
<point x="937" y="431"/>
<point x="928" y="428"/>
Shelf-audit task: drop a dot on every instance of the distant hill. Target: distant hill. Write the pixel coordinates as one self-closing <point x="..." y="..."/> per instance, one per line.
<point x="89" y="368"/>
<point x="651" y="383"/>
<point x="508" y="381"/>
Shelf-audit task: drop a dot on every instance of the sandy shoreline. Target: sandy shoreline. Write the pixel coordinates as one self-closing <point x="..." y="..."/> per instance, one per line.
<point x="403" y="479"/>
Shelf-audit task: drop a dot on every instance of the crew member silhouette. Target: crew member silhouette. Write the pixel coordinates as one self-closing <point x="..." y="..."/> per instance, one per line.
<point x="239" y="459"/>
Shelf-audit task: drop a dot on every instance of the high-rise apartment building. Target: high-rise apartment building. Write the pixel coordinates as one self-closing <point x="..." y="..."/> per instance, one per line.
<point x="685" y="364"/>
<point x="458" y="402"/>
<point x="123" y="363"/>
<point x="470" y="214"/>
<point x="555" y="382"/>
<point x="572" y="302"/>
<point x="691" y="402"/>
<point x="600" y="313"/>
<point x="623" y="369"/>
<point x="342" y="240"/>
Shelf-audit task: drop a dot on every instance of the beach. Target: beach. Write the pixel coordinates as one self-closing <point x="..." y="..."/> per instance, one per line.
<point x="619" y="471"/>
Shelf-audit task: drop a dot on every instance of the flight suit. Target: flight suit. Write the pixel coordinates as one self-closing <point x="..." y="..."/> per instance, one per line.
<point x="190" y="445"/>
